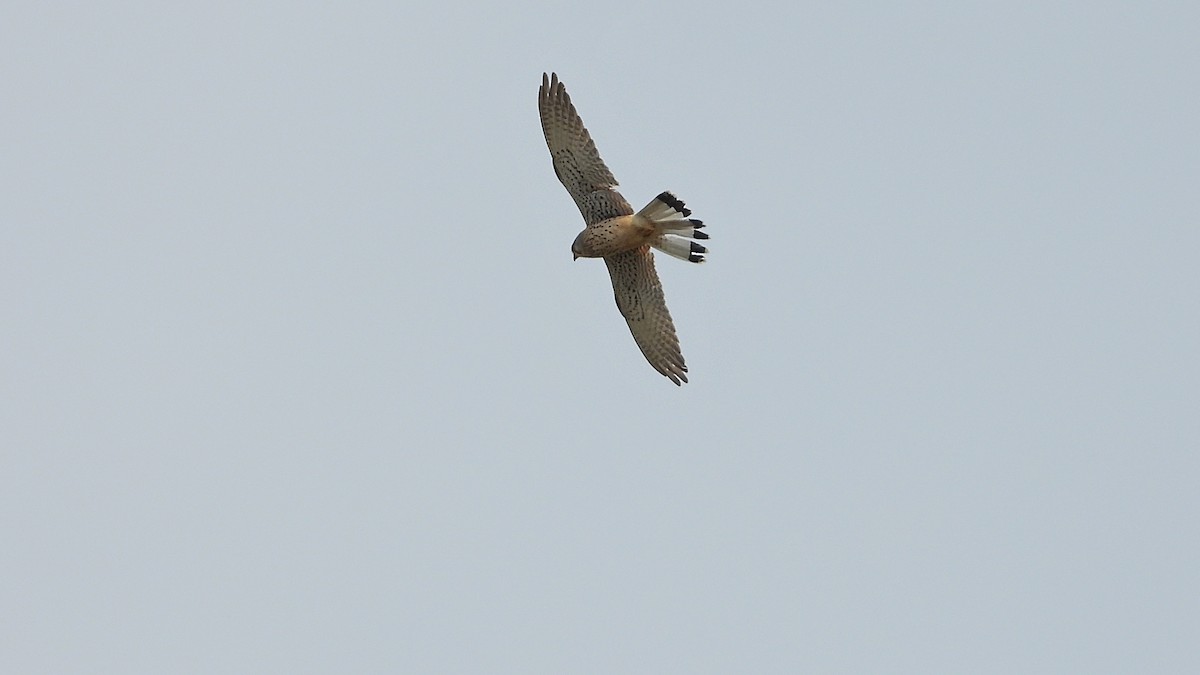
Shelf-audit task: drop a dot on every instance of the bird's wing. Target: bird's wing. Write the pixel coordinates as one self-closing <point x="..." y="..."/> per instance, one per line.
<point x="639" y="296"/>
<point x="576" y="162"/>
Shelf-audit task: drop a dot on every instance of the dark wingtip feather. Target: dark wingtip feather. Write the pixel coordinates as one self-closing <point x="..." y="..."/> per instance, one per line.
<point x="696" y="258"/>
<point x="697" y="248"/>
<point x="696" y="223"/>
<point x="699" y="234"/>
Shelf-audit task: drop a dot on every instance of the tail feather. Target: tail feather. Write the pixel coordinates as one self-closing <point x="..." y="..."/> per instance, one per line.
<point x="677" y="231"/>
<point x="678" y="247"/>
<point x="690" y="228"/>
<point x="665" y="206"/>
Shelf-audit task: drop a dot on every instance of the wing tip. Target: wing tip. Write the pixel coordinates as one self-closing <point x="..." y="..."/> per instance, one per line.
<point x="550" y="83"/>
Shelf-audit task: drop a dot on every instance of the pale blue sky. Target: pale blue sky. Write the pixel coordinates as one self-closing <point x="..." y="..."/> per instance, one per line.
<point x="298" y="376"/>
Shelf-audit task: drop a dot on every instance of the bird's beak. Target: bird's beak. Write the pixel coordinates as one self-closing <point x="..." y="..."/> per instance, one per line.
<point x="574" y="256"/>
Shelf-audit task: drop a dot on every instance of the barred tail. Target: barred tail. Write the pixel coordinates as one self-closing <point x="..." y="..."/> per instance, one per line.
<point x="677" y="232"/>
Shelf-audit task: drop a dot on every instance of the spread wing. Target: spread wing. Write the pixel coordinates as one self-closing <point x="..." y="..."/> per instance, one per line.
<point x="576" y="162"/>
<point x="639" y="296"/>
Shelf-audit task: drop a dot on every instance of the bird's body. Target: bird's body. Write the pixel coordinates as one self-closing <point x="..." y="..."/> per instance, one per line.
<point x="618" y="235"/>
<point x="615" y="235"/>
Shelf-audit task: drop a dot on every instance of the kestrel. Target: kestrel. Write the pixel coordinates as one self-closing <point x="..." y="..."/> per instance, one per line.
<point x="617" y="234"/>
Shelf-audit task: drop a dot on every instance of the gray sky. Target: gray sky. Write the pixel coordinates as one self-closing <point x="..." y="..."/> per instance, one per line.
<point x="298" y="375"/>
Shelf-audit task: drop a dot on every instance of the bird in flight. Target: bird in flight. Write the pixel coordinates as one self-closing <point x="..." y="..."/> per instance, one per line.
<point x="617" y="234"/>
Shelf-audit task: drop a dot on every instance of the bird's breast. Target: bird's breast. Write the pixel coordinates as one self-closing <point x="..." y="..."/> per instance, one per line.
<point x="615" y="235"/>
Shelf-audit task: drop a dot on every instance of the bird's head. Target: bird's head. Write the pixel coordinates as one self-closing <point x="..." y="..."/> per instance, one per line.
<point x="577" y="247"/>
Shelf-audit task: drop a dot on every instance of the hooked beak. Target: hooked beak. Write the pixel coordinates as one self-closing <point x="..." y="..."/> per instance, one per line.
<point x="574" y="256"/>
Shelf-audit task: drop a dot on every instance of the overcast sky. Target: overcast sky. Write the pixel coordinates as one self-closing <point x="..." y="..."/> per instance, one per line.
<point x="297" y="374"/>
